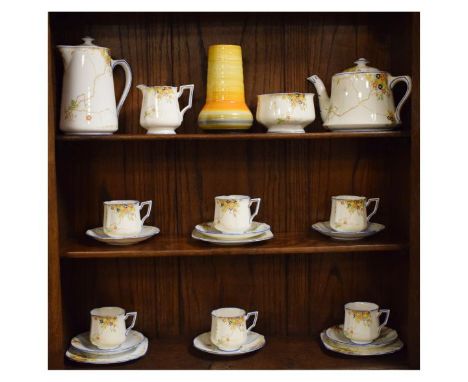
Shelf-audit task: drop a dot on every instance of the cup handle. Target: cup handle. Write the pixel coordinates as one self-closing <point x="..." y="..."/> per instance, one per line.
<point x="181" y="90"/>
<point x="392" y="82"/>
<point x="387" y="315"/>
<point x="150" y="204"/>
<point x="369" y="201"/>
<point x="128" y="81"/>
<point x="247" y="316"/>
<point x="134" y="314"/>
<point x="252" y="201"/>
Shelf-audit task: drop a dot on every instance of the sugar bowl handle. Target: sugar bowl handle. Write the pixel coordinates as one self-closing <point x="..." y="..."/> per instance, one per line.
<point x="181" y="90"/>
<point x="392" y="82"/>
<point x="134" y="315"/>
<point x="149" y="203"/>
<point x="128" y="81"/>
<point x="247" y="316"/>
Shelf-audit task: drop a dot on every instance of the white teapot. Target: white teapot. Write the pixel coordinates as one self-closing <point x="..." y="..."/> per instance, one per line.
<point x="361" y="99"/>
<point x="88" y="98"/>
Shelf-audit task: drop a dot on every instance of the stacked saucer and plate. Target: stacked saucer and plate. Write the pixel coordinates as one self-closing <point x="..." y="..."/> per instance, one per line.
<point x="233" y="223"/>
<point x="362" y="334"/>
<point x="108" y="341"/>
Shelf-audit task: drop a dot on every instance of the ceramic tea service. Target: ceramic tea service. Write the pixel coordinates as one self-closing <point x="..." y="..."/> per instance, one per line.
<point x="233" y="222"/>
<point x="160" y="112"/>
<point x="361" y="99"/>
<point x="109" y="340"/>
<point x="122" y="223"/>
<point x="362" y="333"/>
<point x="349" y="219"/>
<point x="88" y="99"/>
<point x="229" y="333"/>
<point x="286" y="112"/>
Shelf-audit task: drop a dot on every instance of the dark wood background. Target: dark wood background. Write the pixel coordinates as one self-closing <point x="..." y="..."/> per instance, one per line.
<point x="296" y="295"/>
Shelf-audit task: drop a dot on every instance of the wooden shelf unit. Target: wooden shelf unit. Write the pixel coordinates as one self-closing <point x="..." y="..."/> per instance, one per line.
<point x="299" y="280"/>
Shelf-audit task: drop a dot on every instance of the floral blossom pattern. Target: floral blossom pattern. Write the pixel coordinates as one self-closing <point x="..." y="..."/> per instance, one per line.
<point x="229" y="206"/>
<point x="296" y="100"/>
<point x="124" y="210"/>
<point x="233" y="322"/>
<point x="379" y="85"/>
<point x="354" y="206"/>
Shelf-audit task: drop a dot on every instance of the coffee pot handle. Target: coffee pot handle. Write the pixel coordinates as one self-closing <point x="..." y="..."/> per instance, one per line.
<point x="387" y="315"/>
<point x="255" y="314"/>
<point x="392" y="82"/>
<point x="369" y="201"/>
<point x="149" y="203"/>
<point x="128" y="81"/>
<point x="252" y="201"/>
<point x="181" y="90"/>
<point x="134" y="314"/>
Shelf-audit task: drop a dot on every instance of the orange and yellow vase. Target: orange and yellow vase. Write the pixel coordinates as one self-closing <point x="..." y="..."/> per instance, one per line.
<point x="225" y="107"/>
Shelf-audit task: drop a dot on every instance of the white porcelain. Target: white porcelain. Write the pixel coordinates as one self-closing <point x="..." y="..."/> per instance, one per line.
<point x="325" y="229"/>
<point x="209" y="230"/>
<point x="362" y="321"/>
<point x="349" y="213"/>
<point x="88" y="98"/>
<point x="145" y="233"/>
<point x="82" y="343"/>
<point x="361" y="350"/>
<point x="107" y="359"/>
<point x="108" y="330"/>
<point x="253" y="343"/>
<point x="361" y="99"/>
<point x="122" y="217"/>
<point x="160" y="112"/>
<point x="387" y="336"/>
<point x="286" y="112"/>
<point x="262" y="237"/>
<point x="232" y="213"/>
<point x="229" y="327"/>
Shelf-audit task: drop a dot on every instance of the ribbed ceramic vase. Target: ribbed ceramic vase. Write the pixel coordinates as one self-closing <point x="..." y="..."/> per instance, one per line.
<point x="225" y="107"/>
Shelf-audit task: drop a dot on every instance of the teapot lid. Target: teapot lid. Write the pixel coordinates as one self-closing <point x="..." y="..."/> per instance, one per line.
<point x="361" y="67"/>
<point x="87" y="43"/>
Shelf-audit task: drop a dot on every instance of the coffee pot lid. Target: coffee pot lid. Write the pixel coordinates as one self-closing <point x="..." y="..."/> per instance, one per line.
<point x="87" y="43"/>
<point x="361" y="67"/>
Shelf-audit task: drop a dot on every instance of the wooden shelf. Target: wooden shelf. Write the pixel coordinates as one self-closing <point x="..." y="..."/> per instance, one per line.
<point x="281" y="244"/>
<point x="234" y="136"/>
<point x="278" y="353"/>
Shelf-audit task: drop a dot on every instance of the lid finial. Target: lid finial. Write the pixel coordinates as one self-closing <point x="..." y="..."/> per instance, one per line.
<point x="88" y="41"/>
<point x="360" y="62"/>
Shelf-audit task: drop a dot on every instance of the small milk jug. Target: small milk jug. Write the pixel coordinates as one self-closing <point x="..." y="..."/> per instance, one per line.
<point x="88" y="98"/>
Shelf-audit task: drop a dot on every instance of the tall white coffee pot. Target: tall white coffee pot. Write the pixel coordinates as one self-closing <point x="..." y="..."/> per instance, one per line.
<point x="88" y="98"/>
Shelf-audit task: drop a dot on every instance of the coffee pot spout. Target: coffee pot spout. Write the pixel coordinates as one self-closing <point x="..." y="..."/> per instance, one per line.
<point x="324" y="100"/>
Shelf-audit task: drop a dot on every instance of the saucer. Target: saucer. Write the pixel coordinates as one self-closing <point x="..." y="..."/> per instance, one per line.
<point x="208" y="229"/>
<point x="107" y="359"/>
<point x="254" y="342"/>
<point x="324" y="228"/>
<point x="387" y="336"/>
<point x="360" y="350"/>
<point x="82" y="343"/>
<point x="262" y="237"/>
<point x="146" y="232"/>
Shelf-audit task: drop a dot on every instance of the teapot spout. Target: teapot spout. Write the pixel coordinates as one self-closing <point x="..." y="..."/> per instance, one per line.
<point x="324" y="100"/>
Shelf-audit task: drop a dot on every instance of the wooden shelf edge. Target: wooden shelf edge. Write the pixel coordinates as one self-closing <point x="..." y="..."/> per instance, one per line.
<point x="234" y="136"/>
<point x="281" y="244"/>
<point x="279" y="353"/>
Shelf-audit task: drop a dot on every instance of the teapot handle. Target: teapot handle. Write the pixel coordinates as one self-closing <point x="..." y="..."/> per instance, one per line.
<point x="128" y="81"/>
<point x="392" y="82"/>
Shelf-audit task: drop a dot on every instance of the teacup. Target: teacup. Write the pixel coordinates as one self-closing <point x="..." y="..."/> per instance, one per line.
<point x="229" y="327"/>
<point x="160" y="112"/>
<point x="108" y="329"/>
<point x="232" y="213"/>
<point x="349" y="213"/>
<point x="122" y="217"/>
<point x="362" y="323"/>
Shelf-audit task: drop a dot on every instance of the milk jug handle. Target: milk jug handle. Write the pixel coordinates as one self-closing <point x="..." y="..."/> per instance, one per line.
<point x="128" y="81"/>
<point x="392" y="82"/>
<point x="181" y="90"/>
